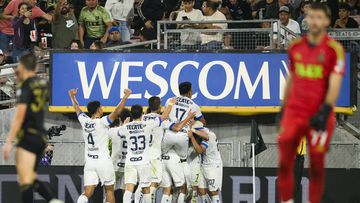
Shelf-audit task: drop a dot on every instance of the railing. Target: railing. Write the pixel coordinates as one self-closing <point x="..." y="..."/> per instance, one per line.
<point x="340" y="155"/>
<point x="149" y="44"/>
<point x="239" y="35"/>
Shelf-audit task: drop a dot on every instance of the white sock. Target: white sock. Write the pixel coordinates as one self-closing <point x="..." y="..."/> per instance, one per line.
<point x="146" y="198"/>
<point x="138" y="195"/>
<point x="181" y="198"/>
<point x="215" y="199"/>
<point x="153" y="194"/>
<point x="165" y="199"/>
<point x="194" y="198"/>
<point x="127" y="197"/>
<point x="289" y="201"/>
<point x="82" y="199"/>
<point x="204" y="199"/>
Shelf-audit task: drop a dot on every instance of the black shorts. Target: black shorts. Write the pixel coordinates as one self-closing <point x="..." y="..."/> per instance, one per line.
<point x="35" y="144"/>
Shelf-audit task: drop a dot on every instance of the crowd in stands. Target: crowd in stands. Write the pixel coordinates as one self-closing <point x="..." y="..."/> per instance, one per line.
<point x="26" y="25"/>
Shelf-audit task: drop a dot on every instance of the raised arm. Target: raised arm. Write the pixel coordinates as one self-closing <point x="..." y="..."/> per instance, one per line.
<point x="75" y="103"/>
<point x="198" y="148"/>
<point x="120" y="106"/>
<point x="178" y="126"/>
<point x="168" y="108"/>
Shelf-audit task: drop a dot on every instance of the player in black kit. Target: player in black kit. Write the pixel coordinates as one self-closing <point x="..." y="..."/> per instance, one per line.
<point x="28" y="128"/>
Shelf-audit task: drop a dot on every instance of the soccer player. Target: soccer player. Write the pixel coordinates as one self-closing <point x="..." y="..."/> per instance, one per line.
<point x="98" y="164"/>
<point x="28" y="128"/>
<point x="155" y="144"/>
<point x="211" y="167"/>
<point x="119" y="150"/>
<point x="316" y="71"/>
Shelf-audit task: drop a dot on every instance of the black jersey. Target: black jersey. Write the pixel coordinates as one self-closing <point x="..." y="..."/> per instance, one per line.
<point x="34" y="93"/>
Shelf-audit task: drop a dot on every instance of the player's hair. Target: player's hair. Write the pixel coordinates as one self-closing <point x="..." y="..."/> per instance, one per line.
<point x="29" y="61"/>
<point x="184" y="88"/>
<point x="93" y="106"/>
<point x="124" y="114"/>
<point x="136" y="111"/>
<point x="213" y="5"/>
<point x="321" y="7"/>
<point x="188" y="0"/>
<point x="154" y="103"/>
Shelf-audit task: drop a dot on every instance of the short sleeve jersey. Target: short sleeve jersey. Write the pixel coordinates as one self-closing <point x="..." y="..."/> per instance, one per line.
<point x="310" y="67"/>
<point x="181" y="109"/>
<point x="95" y="134"/>
<point x="34" y="93"/>
<point x="138" y="135"/>
<point x="156" y="135"/>
<point x="211" y="156"/>
<point x="94" y="21"/>
<point x="119" y="149"/>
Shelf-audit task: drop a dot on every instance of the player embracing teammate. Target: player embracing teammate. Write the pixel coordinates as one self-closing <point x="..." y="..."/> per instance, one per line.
<point x="148" y="151"/>
<point x="316" y="69"/>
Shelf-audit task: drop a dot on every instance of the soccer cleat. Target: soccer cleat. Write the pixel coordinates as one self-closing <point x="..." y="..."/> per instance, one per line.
<point x="56" y="201"/>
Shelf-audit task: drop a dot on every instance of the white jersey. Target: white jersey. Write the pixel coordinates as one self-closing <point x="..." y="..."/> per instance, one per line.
<point x="95" y="134"/>
<point x="138" y="134"/>
<point x="119" y="149"/>
<point x="181" y="109"/>
<point x="155" y="138"/>
<point x="212" y="154"/>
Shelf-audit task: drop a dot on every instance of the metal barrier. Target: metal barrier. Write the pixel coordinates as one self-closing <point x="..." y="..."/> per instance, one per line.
<point x="340" y="155"/>
<point x="146" y="44"/>
<point x="239" y="35"/>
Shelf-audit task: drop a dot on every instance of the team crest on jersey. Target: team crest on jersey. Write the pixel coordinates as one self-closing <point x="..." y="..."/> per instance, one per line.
<point x="297" y="56"/>
<point x="321" y="58"/>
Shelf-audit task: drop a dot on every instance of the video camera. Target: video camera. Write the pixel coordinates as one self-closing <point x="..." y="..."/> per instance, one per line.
<point x="55" y="131"/>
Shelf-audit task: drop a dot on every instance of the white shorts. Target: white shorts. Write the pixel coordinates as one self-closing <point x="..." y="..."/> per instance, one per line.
<point x="178" y="141"/>
<point x="195" y="171"/>
<point x="119" y="180"/>
<point x="133" y="173"/>
<point x="99" y="170"/>
<point x="211" y="177"/>
<point x="173" y="174"/>
<point x="156" y="170"/>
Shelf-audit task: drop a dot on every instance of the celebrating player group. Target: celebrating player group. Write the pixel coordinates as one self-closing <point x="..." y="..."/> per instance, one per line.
<point x="150" y="151"/>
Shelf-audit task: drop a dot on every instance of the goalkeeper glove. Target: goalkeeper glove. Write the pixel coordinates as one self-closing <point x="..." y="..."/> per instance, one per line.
<point x="319" y="120"/>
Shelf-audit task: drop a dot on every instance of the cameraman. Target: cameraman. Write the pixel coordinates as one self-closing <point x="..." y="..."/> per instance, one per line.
<point x="48" y="155"/>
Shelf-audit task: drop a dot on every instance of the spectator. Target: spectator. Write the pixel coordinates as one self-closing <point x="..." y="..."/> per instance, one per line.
<point x="284" y="19"/>
<point x="114" y="37"/>
<point x="273" y="10"/>
<point x="44" y="30"/>
<point x="25" y="31"/>
<point x="354" y="5"/>
<point x="11" y="10"/>
<point x="95" y="22"/>
<point x="75" y="45"/>
<point x="97" y="45"/>
<point x="189" y="40"/>
<point x="239" y="9"/>
<point x="6" y="83"/>
<point x="120" y="11"/>
<point x="150" y="11"/>
<point x="305" y="5"/>
<point x="345" y="21"/>
<point x="260" y="8"/>
<point x="212" y="40"/>
<point x="64" y="26"/>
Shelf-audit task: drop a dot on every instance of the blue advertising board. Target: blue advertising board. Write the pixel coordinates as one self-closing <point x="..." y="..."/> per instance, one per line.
<point x="231" y="82"/>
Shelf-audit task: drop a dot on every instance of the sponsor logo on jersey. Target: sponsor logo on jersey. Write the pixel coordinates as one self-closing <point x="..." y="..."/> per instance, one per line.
<point x="311" y="71"/>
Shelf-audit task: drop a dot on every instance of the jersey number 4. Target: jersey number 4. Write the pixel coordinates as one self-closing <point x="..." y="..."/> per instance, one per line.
<point x="90" y="139"/>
